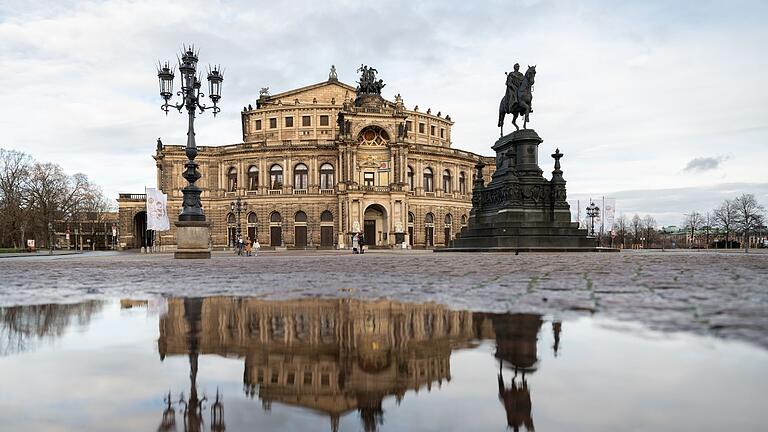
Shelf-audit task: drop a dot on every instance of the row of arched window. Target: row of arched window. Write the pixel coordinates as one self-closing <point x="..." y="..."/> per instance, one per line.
<point x="429" y="218"/>
<point x="327" y="216"/>
<point x="300" y="177"/>
<point x="275" y="216"/>
<point x="429" y="184"/>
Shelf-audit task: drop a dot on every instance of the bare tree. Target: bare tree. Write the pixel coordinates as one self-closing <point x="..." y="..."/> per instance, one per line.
<point x="707" y="221"/>
<point x="724" y="217"/>
<point x="620" y="226"/>
<point x="749" y="216"/>
<point x="649" y="228"/>
<point x="14" y="173"/>
<point x="692" y="222"/>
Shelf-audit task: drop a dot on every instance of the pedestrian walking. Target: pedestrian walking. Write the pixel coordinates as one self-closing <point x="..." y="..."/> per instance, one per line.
<point x="256" y="247"/>
<point x="248" y="246"/>
<point x="355" y="243"/>
<point x="362" y="243"/>
<point x="240" y="246"/>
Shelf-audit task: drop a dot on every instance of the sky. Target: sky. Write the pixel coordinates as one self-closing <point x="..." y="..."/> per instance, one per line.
<point x="659" y="104"/>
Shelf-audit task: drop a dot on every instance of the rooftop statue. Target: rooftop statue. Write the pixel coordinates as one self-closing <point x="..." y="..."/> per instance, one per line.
<point x="518" y="97"/>
<point x="368" y="82"/>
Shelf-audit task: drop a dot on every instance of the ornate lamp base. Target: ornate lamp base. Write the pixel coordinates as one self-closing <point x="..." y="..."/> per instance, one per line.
<point x="192" y="240"/>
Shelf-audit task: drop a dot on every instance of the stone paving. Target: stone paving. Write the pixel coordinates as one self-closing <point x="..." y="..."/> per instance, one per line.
<point x="721" y="294"/>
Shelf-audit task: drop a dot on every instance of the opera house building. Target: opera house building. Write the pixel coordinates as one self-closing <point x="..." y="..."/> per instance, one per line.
<point x="316" y="165"/>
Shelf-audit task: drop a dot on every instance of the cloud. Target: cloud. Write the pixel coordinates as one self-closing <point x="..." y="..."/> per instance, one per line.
<point x="626" y="90"/>
<point x="702" y="164"/>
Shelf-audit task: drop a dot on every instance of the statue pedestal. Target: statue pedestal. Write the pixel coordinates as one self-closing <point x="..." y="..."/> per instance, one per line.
<point x="519" y="209"/>
<point x="192" y="240"/>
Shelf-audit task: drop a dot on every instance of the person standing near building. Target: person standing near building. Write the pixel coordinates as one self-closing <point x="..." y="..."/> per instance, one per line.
<point x="361" y="241"/>
<point x="256" y="247"/>
<point x="248" y="246"/>
<point x="355" y="243"/>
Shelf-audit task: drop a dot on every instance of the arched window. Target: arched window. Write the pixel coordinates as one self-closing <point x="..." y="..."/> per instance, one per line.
<point x="300" y="216"/>
<point x="409" y="174"/>
<point x="463" y="220"/>
<point x="326" y="176"/>
<point x="231" y="229"/>
<point x="252" y="225"/>
<point x="428" y="185"/>
<point x="429" y="230"/>
<point x="447" y="232"/>
<point x="276" y="177"/>
<point x="300" y="176"/>
<point x="462" y="183"/>
<point x="275" y="217"/>
<point x="253" y="178"/>
<point x="410" y="218"/>
<point x="448" y="219"/>
<point x="447" y="181"/>
<point x="232" y="179"/>
<point x="326" y="216"/>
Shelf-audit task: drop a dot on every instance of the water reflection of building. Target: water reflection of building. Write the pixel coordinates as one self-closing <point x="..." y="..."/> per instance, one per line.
<point x="335" y="356"/>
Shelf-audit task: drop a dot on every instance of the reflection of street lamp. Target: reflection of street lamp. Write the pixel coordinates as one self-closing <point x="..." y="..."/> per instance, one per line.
<point x="592" y="212"/>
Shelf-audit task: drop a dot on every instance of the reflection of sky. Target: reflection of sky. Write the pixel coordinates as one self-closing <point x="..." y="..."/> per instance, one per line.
<point x="608" y="376"/>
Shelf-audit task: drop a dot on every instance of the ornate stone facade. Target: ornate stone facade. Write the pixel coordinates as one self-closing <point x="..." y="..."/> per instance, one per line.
<point x="318" y="164"/>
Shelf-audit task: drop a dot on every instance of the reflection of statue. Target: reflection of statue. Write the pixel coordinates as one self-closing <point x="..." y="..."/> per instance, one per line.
<point x="518" y="97"/>
<point x="517" y="402"/>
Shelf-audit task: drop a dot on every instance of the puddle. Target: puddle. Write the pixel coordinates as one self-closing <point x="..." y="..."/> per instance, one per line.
<point x="234" y="363"/>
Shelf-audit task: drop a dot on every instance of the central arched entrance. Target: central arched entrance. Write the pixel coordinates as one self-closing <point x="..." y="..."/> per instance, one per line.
<point x="375" y="225"/>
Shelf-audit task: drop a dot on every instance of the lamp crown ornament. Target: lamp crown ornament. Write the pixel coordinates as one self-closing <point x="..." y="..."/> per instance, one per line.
<point x="191" y="83"/>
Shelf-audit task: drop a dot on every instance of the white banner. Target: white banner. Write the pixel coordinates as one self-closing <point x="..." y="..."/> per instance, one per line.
<point x="609" y="213"/>
<point x="157" y="215"/>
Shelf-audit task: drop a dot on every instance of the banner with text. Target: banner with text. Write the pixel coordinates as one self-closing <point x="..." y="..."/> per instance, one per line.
<point x="157" y="215"/>
<point x="609" y="213"/>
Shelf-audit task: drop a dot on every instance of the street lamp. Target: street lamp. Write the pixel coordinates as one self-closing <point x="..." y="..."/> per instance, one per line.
<point x="50" y="237"/>
<point x="592" y="212"/>
<point x="191" y="220"/>
<point x="237" y="207"/>
<point x="192" y="209"/>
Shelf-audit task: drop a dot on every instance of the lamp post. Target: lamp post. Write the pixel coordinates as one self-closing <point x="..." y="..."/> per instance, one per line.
<point x="592" y="212"/>
<point x="191" y="222"/>
<point x="237" y="207"/>
<point x="50" y="237"/>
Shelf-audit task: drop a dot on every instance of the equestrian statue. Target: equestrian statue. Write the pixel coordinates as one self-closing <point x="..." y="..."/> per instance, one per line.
<point x="518" y="97"/>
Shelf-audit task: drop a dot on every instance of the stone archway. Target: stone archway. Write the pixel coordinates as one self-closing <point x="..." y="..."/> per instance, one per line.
<point x="143" y="238"/>
<point x="376" y="225"/>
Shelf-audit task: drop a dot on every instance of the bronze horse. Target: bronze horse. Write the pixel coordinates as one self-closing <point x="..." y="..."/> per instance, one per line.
<point x="524" y="98"/>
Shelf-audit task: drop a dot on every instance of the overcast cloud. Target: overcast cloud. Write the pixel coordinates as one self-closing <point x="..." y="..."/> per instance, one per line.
<point x="629" y="91"/>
